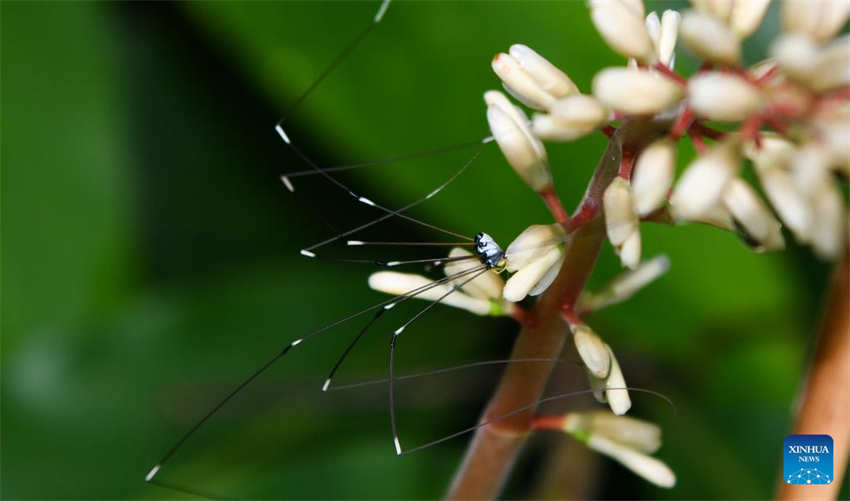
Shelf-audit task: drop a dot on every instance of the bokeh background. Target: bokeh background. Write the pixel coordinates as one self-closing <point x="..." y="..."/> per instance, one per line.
<point x="150" y="260"/>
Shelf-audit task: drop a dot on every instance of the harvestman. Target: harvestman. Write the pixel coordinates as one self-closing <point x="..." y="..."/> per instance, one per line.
<point x="487" y="256"/>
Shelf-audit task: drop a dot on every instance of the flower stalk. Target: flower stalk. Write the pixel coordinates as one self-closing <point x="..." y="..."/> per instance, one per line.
<point x="494" y="447"/>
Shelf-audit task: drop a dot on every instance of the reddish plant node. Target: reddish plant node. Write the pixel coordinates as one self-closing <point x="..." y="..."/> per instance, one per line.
<point x="554" y="204"/>
<point x="548" y="422"/>
<point x="672" y="75"/>
<point x="682" y="123"/>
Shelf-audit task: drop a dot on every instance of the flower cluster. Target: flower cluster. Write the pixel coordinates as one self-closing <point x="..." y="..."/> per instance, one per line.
<point x="788" y="116"/>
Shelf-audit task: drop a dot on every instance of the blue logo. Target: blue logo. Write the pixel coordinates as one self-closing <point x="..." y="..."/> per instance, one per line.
<point x="808" y="459"/>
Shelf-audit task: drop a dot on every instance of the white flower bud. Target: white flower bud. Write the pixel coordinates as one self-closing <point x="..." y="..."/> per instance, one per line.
<point x="636" y="92"/>
<point x="400" y="284"/>
<point x="546" y="127"/>
<point x="597" y="386"/>
<point x="592" y="350"/>
<point x="653" y="27"/>
<point x="621" y="221"/>
<point x="666" y="44"/>
<point x="570" y="118"/>
<point x="640" y="435"/>
<point x="521" y="283"/>
<point x="702" y="184"/>
<point x="524" y="151"/>
<point x="723" y="97"/>
<point x="797" y="56"/>
<point x="831" y="219"/>
<point x="721" y="9"/>
<point x="653" y="175"/>
<point x="621" y="24"/>
<point x="710" y="38"/>
<point x="548" y="278"/>
<point x="531" y="78"/>
<point x="774" y="151"/>
<point x="718" y="216"/>
<point x="579" y="112"/>
<point x="629" y="252"/>
<point x="484" y="286"/>
<point x="746" y="16"/>
<point x="836" y="138"/>
<point x="626" y="284"/>
<point x="818" y="20"/>
<point x="615" y="388"/>
<point x="833" y="65"/>
<point x="810" y="168"/>
<point x="532" y="243"/>
<point x="620" y="218"/>
<point x="753" y="217"/>
<point x="647" y="467"/>
<point x="548" y="76"/>
<point x="786" y="198"/>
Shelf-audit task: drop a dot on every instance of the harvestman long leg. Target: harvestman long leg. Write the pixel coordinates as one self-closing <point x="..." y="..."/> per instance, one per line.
<point x="393" y="341"/>
<point x="383" y="305"/>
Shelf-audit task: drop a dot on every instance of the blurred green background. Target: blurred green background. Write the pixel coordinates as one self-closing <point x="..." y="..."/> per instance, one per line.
<point x="150" y="260"/>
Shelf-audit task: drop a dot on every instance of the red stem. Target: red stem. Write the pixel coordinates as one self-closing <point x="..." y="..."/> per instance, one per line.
<point x="554" y="204"/>
<point x="664" y="70"/>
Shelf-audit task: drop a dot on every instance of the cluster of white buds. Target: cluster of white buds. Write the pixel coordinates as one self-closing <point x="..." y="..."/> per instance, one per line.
<point x="481" y="295"/>
<point x="534" y="258"/>
<point x="603" y="372"/>
<point x="802" y="94"/>
<point x="627" y="440"/>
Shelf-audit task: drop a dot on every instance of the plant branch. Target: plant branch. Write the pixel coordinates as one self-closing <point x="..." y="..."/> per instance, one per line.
<point x="825" y="407"/>
<point x="494" y="448"/>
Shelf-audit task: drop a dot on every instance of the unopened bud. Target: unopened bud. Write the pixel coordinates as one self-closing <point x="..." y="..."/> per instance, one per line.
<point x="638" y="434"/>
<point x="653" y="175"/>
<point x="666" y="44"/>
<point x="592" y="350"/>
<point x="548" y="76"/>
<point x="833" y="65"/>
<point x="626" y="284"/>
<point x="532" y="79"/>
<point x="828" y="236"/>
<point x="773" y="151"/>
<point x="621" y="221"/>
<point x="791" y="205"/>
<point x="818" y="20"/>
<point x="620" y="218"/>
<point x="797" y="56"/>
<point x="746" y="16"/>
<point x="526" y="279"/>
<point x="579" y="112"/>
<point x="703" y="182"/>
<point x="810" y="168"/>
<point x="615" y="388"/>
<point x="721" y="9"/>
<point x="485" y="286"/>
<point x="647" y="467"/>
<point x="708" y="37"/>
<point x="524" y="151"/>
<point x="401" y="284"/>
<point x="760" y="229"/>
<point x="723" y="97"/>
<point x="636" y="92"/>
<point x="570" y="118"/>
<point x="532" y="243"/>
<point x="629" y="252"/>
<point x="621" y="24"/>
